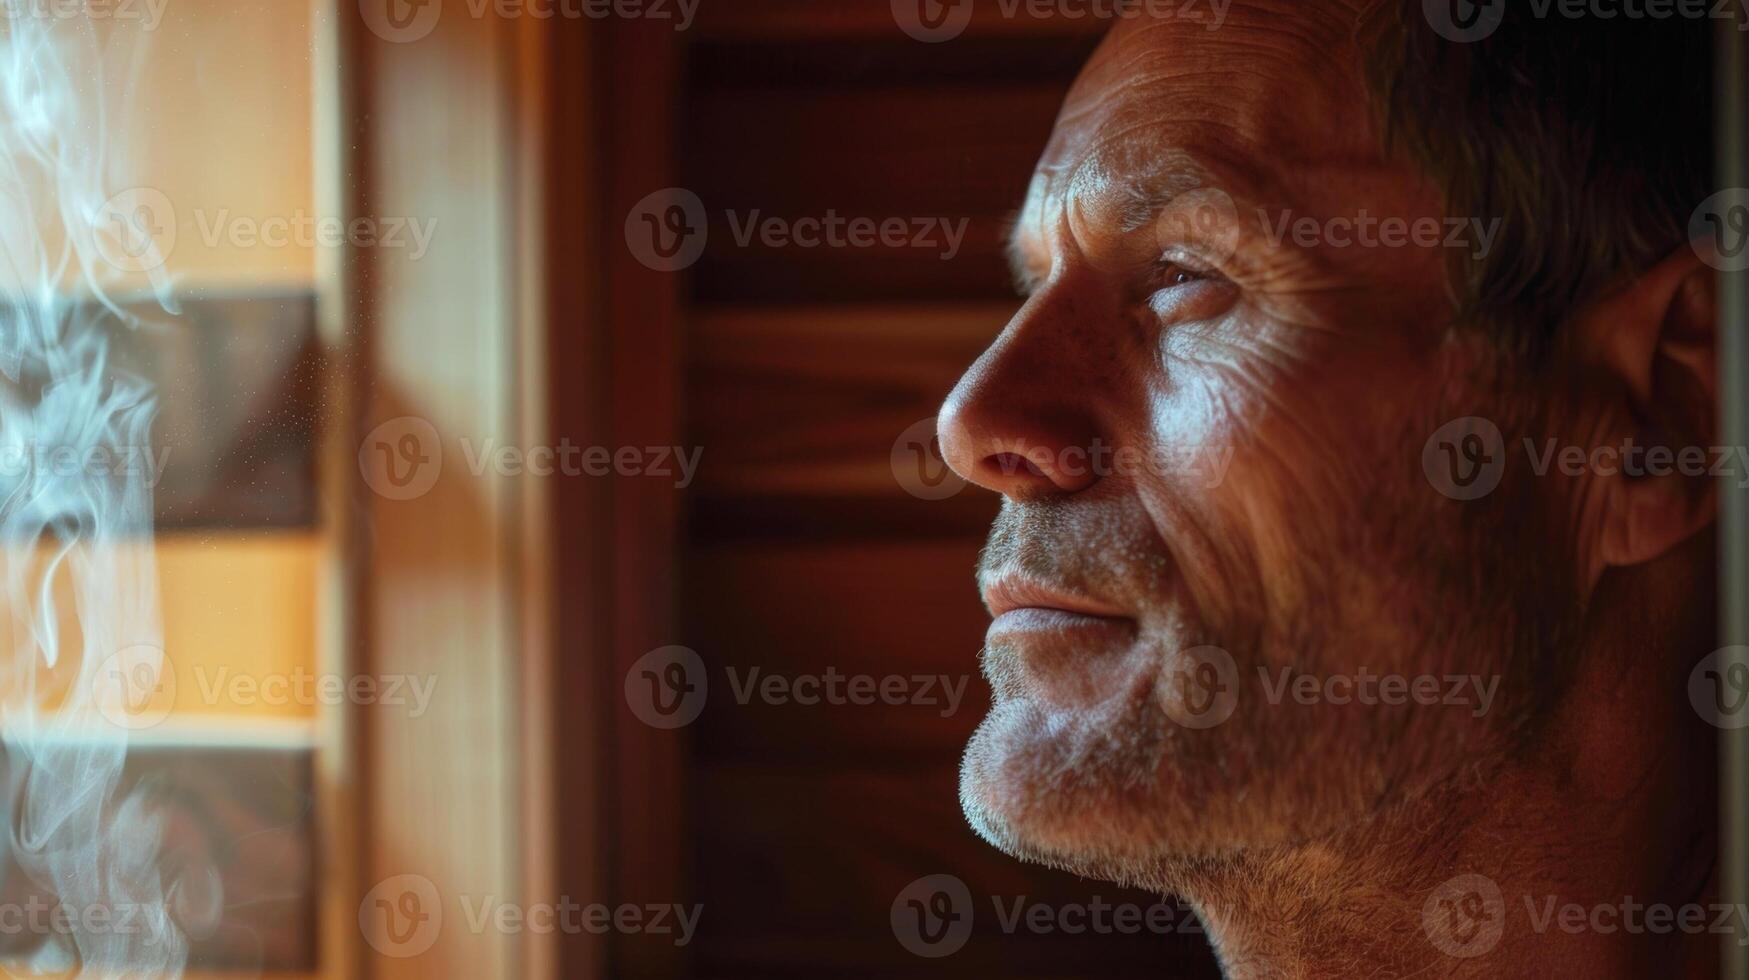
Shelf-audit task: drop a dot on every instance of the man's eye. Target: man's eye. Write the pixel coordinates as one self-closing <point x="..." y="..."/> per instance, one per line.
<point x="1178" y="291"/>
<point x="1173" y="274"/>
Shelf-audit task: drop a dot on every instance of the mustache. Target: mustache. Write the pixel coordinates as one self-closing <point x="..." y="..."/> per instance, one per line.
<point x="1107" y="549"/>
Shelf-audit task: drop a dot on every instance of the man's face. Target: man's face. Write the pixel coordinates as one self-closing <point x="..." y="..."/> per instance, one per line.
<point x="1210" y="446"/>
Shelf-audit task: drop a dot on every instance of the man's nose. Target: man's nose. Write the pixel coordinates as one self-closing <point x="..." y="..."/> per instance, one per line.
<point x="1022" y="421"/>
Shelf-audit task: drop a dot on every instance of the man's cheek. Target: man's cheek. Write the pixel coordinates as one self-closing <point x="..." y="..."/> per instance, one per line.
<point x="1272" y="490"/>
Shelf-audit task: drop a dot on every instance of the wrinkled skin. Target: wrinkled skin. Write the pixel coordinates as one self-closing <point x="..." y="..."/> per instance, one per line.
<point x="1302" y="381"/>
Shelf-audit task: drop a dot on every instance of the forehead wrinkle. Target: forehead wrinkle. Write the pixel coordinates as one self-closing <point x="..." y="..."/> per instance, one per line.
<point x="1139" y="193"/>
<point x="1267" y="72"/>
<point x="1242" y="111"/>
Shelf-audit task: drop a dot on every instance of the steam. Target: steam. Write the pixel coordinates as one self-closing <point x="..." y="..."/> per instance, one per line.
<point x="81" y="601"/>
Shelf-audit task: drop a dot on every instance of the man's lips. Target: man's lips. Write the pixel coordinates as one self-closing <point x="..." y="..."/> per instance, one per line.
<point x="1026" y="605"/>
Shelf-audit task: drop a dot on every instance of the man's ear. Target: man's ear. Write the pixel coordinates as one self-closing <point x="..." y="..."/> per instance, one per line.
<point x="1656" y="340"/>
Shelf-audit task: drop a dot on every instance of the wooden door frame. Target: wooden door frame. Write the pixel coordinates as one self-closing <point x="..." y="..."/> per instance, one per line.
<point x="451" y="127"/>
<point x="615" y="373"/>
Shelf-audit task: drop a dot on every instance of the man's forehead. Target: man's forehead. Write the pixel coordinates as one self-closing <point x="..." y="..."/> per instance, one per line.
<point x="1267" y="91"/>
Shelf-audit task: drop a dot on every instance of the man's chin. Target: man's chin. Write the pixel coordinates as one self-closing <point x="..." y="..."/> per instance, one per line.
<point x="1055" y="789"/>
<point x="1147" y="807"/>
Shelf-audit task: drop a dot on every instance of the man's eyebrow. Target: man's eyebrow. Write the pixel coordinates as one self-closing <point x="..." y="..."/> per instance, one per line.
<point x="1138" y="202"/>
<point x="1141" y="202"/>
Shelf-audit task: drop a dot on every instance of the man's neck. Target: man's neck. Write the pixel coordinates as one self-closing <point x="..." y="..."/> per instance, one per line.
<point x="1589" y="856"/>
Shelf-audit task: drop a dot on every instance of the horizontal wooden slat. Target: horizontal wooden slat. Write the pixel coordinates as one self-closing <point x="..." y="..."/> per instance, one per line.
<point x="922" y="133"/>
<point x="856" y="609"/>
<point x="810" y="402"/>
<point x="823" y="520"/>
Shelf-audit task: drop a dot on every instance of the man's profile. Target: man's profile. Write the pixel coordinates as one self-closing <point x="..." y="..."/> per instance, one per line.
<point x="1335" y="586"/>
